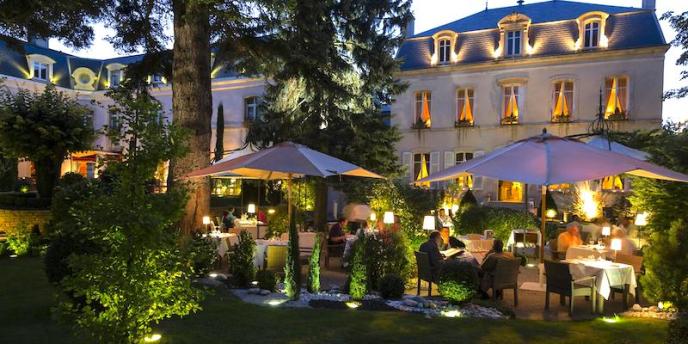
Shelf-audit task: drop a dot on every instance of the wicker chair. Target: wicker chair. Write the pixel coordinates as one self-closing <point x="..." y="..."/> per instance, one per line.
<point x="560" y="281"/>
<point x="424" y="271"/>
<point x="505" y="276"/>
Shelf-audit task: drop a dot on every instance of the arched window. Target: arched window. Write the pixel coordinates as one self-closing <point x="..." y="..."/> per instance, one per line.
<point x="444" y="45"/>
<point x="591" y="30"/>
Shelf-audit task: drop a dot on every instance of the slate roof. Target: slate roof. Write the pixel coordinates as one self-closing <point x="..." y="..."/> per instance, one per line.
<point x="552" y="31"/>
<point x="13" y="62"/>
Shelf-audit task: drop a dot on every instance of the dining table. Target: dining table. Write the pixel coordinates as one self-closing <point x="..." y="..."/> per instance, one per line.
<point x="261" y="250"/>
<point x="608" y="275"/>
<point x="477" y="244"/>
<point x="223" y="241"/>
<point x="588" y="251"/>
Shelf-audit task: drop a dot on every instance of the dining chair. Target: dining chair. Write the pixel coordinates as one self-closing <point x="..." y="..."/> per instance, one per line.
<point x="333" y="251"/>
<point x="505" y="276"/>
<point x="637" y="263"/>
<point x="556" y="254"/>
<point x="560" y="281"/>
<point x="424" y="271"/>
<point x="261" y="230"/>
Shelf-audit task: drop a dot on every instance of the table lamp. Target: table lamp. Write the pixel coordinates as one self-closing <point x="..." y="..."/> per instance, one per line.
<point x="616" y="245"/>
<point x="606" y="231"/>
<point x="206" y="221"/>
<point x="429" y="223"/>
<point x="388" y="218"/>
<point x="373" y="217"/>
<point x="251" y="208"/>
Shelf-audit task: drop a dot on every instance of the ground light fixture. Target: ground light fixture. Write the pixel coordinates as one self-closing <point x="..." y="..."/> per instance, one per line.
<point x="271" y="211"/>
<point x="611" y="320"/>
<point x="451" y="313"/>
<point x="155" y="337"/>
<point x="275" y="302"/>
<point x="353" y="304"/>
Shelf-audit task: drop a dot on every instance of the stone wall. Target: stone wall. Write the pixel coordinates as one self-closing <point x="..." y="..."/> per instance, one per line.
<point x="10" y="219"/>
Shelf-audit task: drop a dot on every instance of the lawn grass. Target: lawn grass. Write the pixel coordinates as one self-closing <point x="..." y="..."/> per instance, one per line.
<point x="26" y="299"/>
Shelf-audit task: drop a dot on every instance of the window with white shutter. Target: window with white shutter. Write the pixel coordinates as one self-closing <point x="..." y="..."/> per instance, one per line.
<point x="434" y="166"/>
<point x="478" y="180"/>
<point x="407" y="165"/>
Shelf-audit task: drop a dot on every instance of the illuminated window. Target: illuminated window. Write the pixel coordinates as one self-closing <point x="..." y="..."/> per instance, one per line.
<point x="511" y="103"/>
<point x="251" y="111"/>
<point x="445" y="50"/>
<point x="226" y="187"/>
<point x="116" y="77"/>
<point x="510" y="191"/>
<point x="612" y="183"/>
<point x="562" y="98"/>
<point x="464" y="106"/>
<point x="421" y="165"/>
<point x="464" y="181"/>
<point x="41" y="71"/>
<point x="513" y="43"/>
<point x="423" y="117"/>
<point x="616" y="98"/>
<point x="592" y="34"/>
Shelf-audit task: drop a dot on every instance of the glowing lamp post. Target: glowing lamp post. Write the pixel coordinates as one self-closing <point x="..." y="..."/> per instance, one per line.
<point x="429" y="223"/>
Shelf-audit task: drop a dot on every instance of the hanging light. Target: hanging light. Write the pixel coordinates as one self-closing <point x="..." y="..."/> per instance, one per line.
<point x="429" y="223"/>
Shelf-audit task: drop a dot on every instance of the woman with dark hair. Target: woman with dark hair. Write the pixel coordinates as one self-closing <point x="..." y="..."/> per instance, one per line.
<point x="490" y="264"/>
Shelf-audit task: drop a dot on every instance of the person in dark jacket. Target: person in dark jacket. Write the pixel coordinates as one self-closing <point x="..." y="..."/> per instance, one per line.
<point x="432" y="249"/>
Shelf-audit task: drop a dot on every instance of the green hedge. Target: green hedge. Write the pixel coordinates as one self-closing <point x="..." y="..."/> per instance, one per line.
<point x="500" y="220"/>
<point x="23" y="200"/>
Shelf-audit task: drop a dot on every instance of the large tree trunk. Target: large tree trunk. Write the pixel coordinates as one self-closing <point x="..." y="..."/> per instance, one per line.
<point x="320" y="213"/>
<point x="192" y="104"/>
<point x="47" y="176"/>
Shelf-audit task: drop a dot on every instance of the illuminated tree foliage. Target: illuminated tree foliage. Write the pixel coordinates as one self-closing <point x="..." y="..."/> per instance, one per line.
<point x="43" y="127"/>
<point x="136" y="275"/>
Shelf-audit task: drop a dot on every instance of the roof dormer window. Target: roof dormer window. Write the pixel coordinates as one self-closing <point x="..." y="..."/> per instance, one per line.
<point x="513" y="43"/>
<point x="40" y="67"/>
<point x="115" y="74"/>
<point x="592" y="34"/>
<point x="445" y="44"/>
<point x="591" y="29"/>
<point x="444" y="50"/>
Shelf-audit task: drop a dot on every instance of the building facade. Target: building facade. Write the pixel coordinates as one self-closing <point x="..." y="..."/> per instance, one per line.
<point x="506" y="74"/>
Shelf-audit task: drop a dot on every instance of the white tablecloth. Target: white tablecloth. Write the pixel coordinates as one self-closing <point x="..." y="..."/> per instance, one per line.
<point x="261" y="248"/>
<point x="477" y="245"/>
<point x="586" y="251"/>
<point x="223" y="241"/>
<point x="608" y="274"/>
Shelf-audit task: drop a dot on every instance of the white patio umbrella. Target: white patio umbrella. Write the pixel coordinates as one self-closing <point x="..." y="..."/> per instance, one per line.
<point x="603" y="142"/>
<point x="549" y="160"/>
<point x="286" y="160"/>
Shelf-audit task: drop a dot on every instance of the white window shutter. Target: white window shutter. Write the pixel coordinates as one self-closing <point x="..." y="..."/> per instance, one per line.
<point x="478" y="180"/>
<point x="449" y="159"/>
<point x="407" y="165"/>
<point x="434" y="166"/>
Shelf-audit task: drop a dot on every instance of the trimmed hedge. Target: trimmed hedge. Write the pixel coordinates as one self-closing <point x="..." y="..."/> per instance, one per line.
<point x="501" y="220"/>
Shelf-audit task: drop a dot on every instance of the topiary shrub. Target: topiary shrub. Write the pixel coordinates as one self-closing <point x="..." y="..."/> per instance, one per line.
<point x="392" y="286"/>
<point x="458" y="281"/>
<point x="292" y="269"/>
<point x="468" y="200"/>
<point x="314" y="267"/>
<point x="19" y="239"/>
<point x="241" y="261"/>
<point x="203" y="254"/>
<point x="266" y="280"/>
<point x="358" y="278"/>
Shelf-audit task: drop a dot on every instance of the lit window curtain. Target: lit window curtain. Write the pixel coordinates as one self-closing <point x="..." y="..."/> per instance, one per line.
<point x="423" y="173"/>
<point x="612" y="183"/>
<point x="425" y="114"/>
<point x="561" y="108"/>
<point x="466" y="108"/>
<point x="614" y="104"/>
<point x="511" y="109"/>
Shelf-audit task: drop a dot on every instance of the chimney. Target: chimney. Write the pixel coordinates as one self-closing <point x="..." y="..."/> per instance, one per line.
<point x="411" y="27"/>
<point x="650" y="4"/>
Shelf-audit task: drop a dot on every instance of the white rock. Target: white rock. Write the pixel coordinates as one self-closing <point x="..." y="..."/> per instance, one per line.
<point x="637" y="308"/>
<point x="653" y="309"/>
<point x="264" y="292"/>
<point x="410" y="303"/>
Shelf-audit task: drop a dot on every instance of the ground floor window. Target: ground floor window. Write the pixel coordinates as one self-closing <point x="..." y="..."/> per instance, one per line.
<point x="612" y="183"/>
<point x="464" y="181"/>
<point x="510" y="191"/>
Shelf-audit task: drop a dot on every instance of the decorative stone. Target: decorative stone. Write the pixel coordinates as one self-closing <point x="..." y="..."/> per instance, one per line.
<point x="645" y="309"/>
<point x="653" y="308"/>
<point x="264" y="292"/>
<point x="410" y="303"/>
<point x="637" y="308"/>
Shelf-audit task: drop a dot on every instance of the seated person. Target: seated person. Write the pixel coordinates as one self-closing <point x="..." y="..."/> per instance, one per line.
<point x="432" y="248"/>
<point x="228" y="219"/>
<point x="490" y="264"/>
<point x="627" y="245"/>
<point x="456" y="243"/>
<point x="569" y="238"/>
<point x="337" y="233"/>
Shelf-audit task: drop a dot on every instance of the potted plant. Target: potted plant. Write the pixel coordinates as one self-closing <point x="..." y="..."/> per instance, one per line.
<point x="420" y="124"/>
<point x="510" y="120"/>
<point x="617" y="116"/>
<point x="462" y="123"/>
<point x="561" y="119"/>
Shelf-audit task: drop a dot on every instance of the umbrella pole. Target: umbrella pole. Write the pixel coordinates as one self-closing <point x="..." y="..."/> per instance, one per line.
<point x="289" y="197"/>
<point x="543" y="221"/>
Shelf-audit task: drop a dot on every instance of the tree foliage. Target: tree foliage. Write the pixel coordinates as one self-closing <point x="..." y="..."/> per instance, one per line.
<point x="314" y="266"/>
<point x="43" y="127"/>
<point x="292" y="270"/>
<point x="679" y="22"/>
<point x="138" y="275"/>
